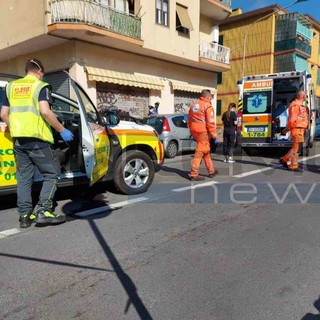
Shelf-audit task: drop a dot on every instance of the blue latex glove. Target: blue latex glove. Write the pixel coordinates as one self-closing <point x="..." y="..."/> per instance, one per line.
<point x="216" y="141"/>
<point x="66" y="135"/>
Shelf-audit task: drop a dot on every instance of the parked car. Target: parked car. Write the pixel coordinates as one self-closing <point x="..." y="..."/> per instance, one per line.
<point x="104" y="148"/>
<point x="173" y="133"/>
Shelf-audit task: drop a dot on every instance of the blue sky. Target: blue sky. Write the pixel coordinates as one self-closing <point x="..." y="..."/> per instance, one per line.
<point x="311" y="7"/>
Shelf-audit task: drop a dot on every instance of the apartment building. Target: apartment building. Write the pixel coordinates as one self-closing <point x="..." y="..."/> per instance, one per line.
<point x="265" y="41"/>
<point x="314" y="60"/>
<point x="127" y="54"/>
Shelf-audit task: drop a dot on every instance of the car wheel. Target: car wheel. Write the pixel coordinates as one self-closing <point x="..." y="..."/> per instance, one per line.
<point x="172" y="149"/>
<point x="134" y="172"/>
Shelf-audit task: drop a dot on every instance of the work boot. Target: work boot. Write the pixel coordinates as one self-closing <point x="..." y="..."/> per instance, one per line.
<point x="212" y="175"/>
<point x="26" y="220"/>
<point x="197" y="178"/>
<point x="282" y="162"/>
<point x="47" y="217"/>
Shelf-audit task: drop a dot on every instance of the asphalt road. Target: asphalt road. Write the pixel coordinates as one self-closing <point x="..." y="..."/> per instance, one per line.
<point x="241" y="246"/>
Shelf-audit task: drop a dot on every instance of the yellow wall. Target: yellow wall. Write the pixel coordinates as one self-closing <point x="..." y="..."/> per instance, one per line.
<point x="258" y="54"/>
<point x="314" y="61"/>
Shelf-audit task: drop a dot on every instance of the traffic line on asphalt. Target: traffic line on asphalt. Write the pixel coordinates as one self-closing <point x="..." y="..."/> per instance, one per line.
<point x="199" y="185"/>
<point x="246" y="174"/>
<point x="9" y="232"/>
<point x="108" y="208"/>
<point x="242" y="175"/>
<point x="82" y="214"/>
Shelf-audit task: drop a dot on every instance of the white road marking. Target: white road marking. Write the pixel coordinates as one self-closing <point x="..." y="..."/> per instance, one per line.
<point x="82" y="214"/>
<point x="9" y="232"/>
<point x="108" y="208"/>
<point x="245" y="174"/>
<point x="194" y="186"/>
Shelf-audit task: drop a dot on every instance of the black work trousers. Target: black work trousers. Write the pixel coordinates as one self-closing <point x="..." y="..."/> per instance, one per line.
<point x="27" y="160"/>
<point x="229" y="138"/>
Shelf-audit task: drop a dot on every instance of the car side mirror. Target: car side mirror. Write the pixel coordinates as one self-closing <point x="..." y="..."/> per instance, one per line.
<point x="111" y="118"/>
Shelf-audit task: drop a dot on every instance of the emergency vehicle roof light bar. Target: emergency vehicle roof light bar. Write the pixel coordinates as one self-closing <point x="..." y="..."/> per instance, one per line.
<point x="249" y="28"/>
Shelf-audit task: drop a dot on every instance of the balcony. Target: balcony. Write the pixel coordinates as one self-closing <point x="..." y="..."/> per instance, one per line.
<point x="216" y="9"/>
<point x="94" y="14"/>
<point x="214" y="52"/>
<point x="293" y="44"/>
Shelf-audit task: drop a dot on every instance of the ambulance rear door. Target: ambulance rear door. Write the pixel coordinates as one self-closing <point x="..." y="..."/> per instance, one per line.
<point x="256" y="117"/>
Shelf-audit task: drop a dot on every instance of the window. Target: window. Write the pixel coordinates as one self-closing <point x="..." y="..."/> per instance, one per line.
<point x="162" y="12"/>
<point x="183" y="22"/>
<point x="157" y="123"/>
<point x="218" y="113"/>
<point x="221" y="40"/>
<point x="219" y="77"/>
<point x="318" y="80"/>
<point x="180" y="122"/>
<point x="1" y="96"/>
<point x="256" y="102"/>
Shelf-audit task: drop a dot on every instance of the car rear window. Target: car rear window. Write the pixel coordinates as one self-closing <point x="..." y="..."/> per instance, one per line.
<point x="156" y="122"/>
<point x="180" y="121"/>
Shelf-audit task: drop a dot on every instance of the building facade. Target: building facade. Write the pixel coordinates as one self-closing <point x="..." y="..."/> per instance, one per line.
<point x="265" y="41"/>
<point x="127" y="54"/>
<point x="314" y="61"/>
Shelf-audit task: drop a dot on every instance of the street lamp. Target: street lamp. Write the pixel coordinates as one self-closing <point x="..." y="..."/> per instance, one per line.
<point x="253" y="23"/>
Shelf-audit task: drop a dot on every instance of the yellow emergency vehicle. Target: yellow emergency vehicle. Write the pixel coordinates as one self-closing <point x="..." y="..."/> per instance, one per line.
<point x="104" y="148"/>
<point x="263" y="109"/>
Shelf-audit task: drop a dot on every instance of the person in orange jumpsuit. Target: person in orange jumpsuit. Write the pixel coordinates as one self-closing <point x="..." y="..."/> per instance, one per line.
<point x="201" y="122"/>
<point x="297" y="123"/>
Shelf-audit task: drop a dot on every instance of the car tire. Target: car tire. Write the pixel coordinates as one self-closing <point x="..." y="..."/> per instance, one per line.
<point x="134" y="172"/>
<point x="172" y="149"/>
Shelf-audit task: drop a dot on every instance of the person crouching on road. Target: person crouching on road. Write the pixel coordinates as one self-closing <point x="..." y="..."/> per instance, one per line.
<point x="297" y="123"/>
<point x="201" y="122"/>
<point x="229" y="119"/>
<point x="26" y="111"/>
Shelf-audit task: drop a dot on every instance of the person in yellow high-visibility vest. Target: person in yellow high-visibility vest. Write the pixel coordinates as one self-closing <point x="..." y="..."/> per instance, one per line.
<point x="26" y="111"/>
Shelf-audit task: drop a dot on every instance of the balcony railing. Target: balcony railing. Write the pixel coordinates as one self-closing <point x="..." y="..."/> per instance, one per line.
<point x="214" y="51"/>
<point x="291" y="44"/>
<point x="96" y="14"/>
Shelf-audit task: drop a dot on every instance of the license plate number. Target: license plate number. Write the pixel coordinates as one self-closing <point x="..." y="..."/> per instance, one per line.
<point x="255" y="129"/>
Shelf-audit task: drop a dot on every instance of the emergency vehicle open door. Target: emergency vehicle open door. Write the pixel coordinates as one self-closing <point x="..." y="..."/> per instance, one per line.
<point x="94" y="139"/>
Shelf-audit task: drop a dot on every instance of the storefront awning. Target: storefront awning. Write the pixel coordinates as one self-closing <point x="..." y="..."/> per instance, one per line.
<point x="126" y="79"/>
<point x="185" y="86"/>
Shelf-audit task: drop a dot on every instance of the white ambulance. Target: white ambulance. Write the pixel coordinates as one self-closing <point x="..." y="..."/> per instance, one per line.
<point x="263" y="109"/>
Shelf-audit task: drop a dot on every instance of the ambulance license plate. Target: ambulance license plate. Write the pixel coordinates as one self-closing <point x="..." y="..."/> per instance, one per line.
<point x="256" y="129"/>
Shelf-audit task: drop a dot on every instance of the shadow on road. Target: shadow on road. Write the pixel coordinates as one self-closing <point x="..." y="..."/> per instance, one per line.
<point x="310" y="316"/>
<point x="179" y="172"/>
<point x="125" y="280"/>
